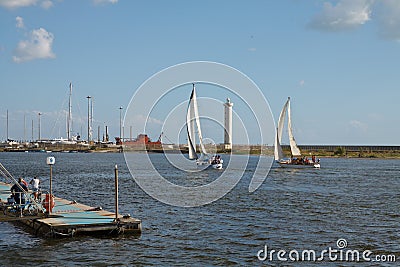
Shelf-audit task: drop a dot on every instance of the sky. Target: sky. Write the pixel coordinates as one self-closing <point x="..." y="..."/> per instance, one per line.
<point x="338" y="60"/>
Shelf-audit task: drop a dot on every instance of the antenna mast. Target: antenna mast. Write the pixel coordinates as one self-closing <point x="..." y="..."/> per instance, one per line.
<point x="69" y="113"/>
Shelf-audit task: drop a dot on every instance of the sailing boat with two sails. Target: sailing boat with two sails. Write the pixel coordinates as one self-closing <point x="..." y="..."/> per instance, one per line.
<point x="193" y="122"/>
<point x="296" y="160"/>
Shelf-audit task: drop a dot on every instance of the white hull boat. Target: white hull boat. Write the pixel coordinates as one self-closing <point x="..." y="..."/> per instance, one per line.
<point x="296" y="160"/>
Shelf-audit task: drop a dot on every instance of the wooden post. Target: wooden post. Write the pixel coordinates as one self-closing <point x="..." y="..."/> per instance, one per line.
<point x="116" y="191"/>
<point x="50" y="161"/>
<point x="51" y="189"/>
<point x="51" y="179"/>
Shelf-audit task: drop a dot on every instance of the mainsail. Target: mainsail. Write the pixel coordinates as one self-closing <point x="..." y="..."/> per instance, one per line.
<point x="192" y="122"/>
<point x="190" y="117"/>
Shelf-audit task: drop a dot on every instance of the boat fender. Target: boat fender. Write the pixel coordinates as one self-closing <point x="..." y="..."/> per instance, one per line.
<point x="48" y="203"/>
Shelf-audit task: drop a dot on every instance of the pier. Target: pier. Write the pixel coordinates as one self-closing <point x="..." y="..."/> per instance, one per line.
<point x="69" y="218"/>
<point x="51" y="216"/>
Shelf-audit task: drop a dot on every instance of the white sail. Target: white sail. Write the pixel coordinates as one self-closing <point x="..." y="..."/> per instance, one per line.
<point x="193" y="123"/>
<point x="197" y="120"/>
<point x="293" y="146"/>
<point x="278" y="149"/>
<point x="190" y="124"/>
<point x="281" y="121"/>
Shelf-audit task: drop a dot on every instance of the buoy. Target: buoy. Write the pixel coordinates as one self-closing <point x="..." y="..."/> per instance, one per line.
<point x="48" y="203"/>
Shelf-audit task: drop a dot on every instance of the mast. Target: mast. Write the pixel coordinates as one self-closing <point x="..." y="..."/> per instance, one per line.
<point x="24" y="127"/>
<point x="7" y="126"/>
<point x="69" y="119"/>
<point x="89" y="135"/>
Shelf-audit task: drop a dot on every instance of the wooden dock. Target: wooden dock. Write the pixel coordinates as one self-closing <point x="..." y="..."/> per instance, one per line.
<point x="69" y="218"/>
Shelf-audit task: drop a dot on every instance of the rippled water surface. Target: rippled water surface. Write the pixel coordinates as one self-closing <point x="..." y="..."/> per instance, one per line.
<point x="354" y="199"/>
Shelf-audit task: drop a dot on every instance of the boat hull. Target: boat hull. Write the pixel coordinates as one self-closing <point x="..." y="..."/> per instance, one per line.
<point x="217" y="166"/>
<point x="299" y="166"/>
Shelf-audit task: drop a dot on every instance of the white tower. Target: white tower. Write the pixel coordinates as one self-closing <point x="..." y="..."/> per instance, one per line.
<point x="228" y="124"/>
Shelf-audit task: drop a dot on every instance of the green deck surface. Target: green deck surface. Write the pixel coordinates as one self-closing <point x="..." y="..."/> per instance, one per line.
<point x="68" y="212"/>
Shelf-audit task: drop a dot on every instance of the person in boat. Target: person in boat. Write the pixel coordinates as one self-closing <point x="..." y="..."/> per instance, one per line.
<point x="18" y="191"/>
<point x="35" y="182"/>
<point x="213" y="160"/>
<point x="216" y="159"/>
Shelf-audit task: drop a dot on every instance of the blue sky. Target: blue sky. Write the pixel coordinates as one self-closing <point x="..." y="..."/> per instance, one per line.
<point x="338" y="60"/>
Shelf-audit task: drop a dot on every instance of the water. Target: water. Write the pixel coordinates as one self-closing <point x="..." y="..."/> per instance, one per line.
<point x="354" y="199"/>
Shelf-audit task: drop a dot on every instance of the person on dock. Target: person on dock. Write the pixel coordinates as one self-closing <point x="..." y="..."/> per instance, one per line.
<point x="18" y="191"/>
<point x="35" y="182"/>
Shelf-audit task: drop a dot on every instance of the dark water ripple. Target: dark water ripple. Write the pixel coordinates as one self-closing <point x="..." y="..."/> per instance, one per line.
<point x="355" y="199"/>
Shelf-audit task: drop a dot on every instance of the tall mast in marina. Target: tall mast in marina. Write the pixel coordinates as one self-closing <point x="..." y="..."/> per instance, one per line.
<point x="24" y="127"/>
<point x="69" y="119"/>
<point x="7" y="125"/>
<point x="32" y="132"/>
<point x="89" y="129"/>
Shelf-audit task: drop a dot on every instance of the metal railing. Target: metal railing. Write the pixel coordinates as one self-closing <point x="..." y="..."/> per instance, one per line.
<point x="30" y="198"/>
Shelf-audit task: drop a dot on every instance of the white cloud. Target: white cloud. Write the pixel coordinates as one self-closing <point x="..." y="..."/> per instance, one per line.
<point x="12" y="4"/>
<point x="346" y="14"/>
<point x="17" y="3"/>
<point x="46" y="4"/>
<point x="301" y="83"/>
<point x="100" y="2"/>
<point x="38" y="46"/>
<point x="20" y="22"/>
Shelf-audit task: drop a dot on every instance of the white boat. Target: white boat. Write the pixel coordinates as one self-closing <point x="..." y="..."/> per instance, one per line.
<point x="296" y="160"/>
<point x="64" y="141"/>
<point x="193" y="123"/>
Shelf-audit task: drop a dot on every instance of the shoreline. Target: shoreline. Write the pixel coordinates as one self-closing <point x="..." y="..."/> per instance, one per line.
<point x="392" y="154"/>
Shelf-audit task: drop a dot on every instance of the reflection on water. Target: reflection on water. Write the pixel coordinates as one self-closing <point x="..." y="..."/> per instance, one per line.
<point x="355" y="199"/>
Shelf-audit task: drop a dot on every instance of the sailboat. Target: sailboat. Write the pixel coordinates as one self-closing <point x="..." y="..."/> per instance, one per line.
<point x="296" y="160"/>
<point x="193" y="122"/>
